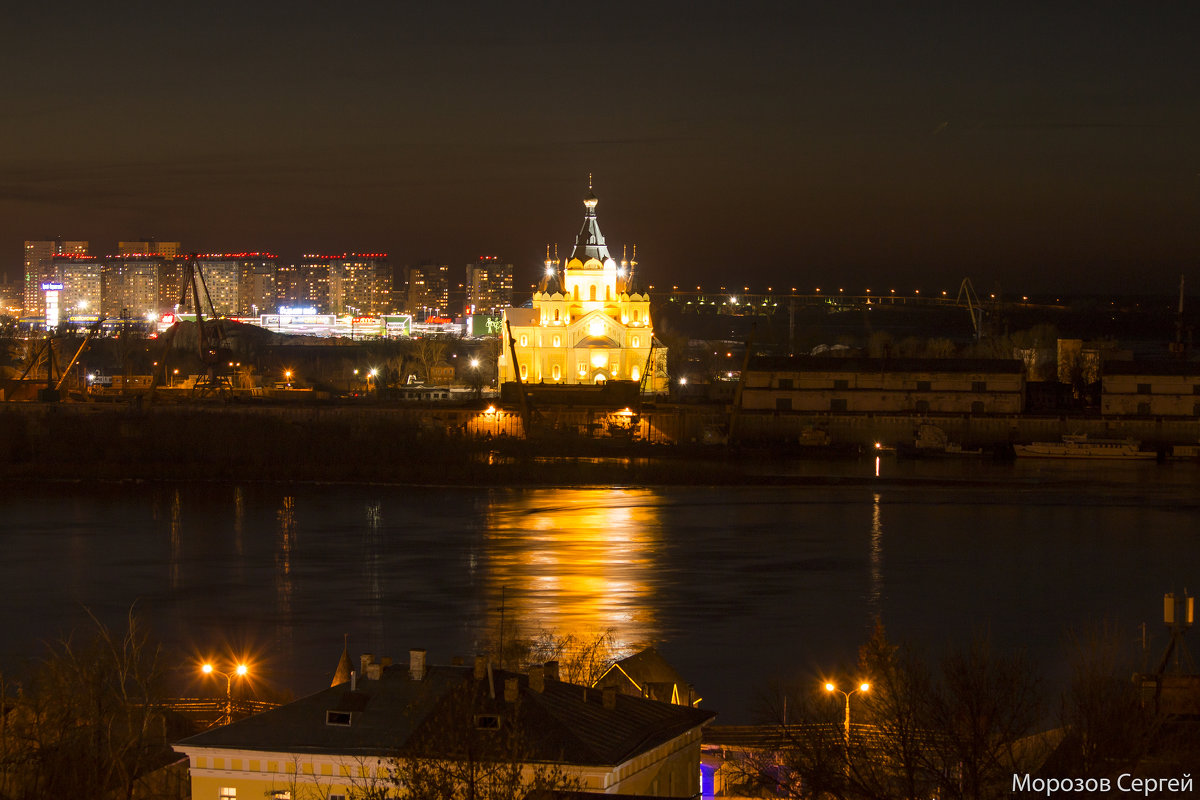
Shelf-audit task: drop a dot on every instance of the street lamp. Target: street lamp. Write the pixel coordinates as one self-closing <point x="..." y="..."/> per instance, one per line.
<point x="862" y="687"/>
<point x="240" y="671"/>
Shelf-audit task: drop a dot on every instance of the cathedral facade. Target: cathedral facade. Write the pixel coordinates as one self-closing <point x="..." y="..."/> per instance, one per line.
<point x="588" y="323"/>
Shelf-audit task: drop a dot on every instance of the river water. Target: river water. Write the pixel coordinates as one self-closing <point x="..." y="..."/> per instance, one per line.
<point x="737" y="586"/>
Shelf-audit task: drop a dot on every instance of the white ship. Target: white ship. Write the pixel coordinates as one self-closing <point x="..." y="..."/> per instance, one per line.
<point x="1080" y="446"/>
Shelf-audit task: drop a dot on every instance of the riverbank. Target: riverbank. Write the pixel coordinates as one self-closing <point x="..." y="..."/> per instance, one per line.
<point x="432" y="446"/>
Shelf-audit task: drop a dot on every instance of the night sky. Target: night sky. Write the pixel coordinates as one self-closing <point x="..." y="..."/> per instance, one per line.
<point x="878" y="145"/>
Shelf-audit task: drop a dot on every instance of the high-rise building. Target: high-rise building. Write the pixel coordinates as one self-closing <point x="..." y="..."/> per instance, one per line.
<point x="257" y="289"/>
<point x="308" y="284"/>
<point x="80" y="279"/>
<point x="489" y="285"/>
<point x="148" y="247"/>
<point x="221" y="272"/>
<point x="360" y="283"/>
<point x="588" y="323"/>
<point x="131" y="286"/>
<point x="429" y="287"/>
<point x="39" y="268"/>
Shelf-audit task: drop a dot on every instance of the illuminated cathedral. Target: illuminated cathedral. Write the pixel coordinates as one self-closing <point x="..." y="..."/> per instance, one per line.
<point x="588" y="323"/>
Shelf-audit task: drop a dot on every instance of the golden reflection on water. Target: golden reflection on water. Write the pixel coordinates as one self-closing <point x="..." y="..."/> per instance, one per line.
<point x="575" y="563"/>
<point x="875" y="596"/>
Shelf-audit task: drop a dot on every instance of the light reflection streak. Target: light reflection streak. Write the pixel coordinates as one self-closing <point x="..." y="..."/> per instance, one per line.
<point x="285" y="545"/>
<point x="875" y="596"/>
<point x="372" y="558"/>
<point x="576" y="564"/>
<point x="176" y="555"/>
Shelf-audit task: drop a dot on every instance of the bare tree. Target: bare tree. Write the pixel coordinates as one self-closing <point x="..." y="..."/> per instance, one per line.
<point x="984" y="704"/>
<point x="90" y="721"/>
<point x="471" y="750"/>
<point x="1106" y="729"/>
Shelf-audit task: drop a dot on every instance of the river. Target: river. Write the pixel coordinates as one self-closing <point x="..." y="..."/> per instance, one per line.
<point x="736" y="586"/>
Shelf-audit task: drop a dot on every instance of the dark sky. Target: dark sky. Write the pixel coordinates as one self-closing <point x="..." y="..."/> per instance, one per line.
<point x="809" y="144"/>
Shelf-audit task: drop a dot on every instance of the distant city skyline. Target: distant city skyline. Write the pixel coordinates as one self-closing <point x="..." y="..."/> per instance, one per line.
<point x="1044" y="149"/>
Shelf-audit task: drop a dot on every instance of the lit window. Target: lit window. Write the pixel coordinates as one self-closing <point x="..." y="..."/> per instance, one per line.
<point x="637" y="342"/>
<point x="524" y="340"/>
<point x="592" y="292"/>
<point x="635" y="315"/>
<point x="634" y="374"/>
<point x="558" y="341"/>
<point x="227" y="793"/>
<point x="557" y="371"/>
<point x="524" y="372"/>
<point x="582" y="369"/>
<point x="556" y="315"/>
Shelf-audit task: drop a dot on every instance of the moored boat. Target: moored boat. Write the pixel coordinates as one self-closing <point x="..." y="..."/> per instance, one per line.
<point x="1080" y="446"/>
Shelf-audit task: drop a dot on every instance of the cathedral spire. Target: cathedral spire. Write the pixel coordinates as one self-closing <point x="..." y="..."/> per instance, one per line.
<point x="590" y="242"/>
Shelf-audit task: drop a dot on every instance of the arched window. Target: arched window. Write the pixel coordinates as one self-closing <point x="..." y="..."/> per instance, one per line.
<point x="635" y="315"/>
<point x="608" y="293"/>
<point x="557" y="343"/>
<point x="635" y="342"/>
<point x="557" y="371"/>
<point x="592" y="292"/>
<point x="556" y="315"/>
<point x="524" y="372"/>
<point x="634" y="374"/>
<point x="524" y="340"/>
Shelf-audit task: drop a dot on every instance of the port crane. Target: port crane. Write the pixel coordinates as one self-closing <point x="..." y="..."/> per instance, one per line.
<point x="967" y="291"/>
<point x="212" y="340"/>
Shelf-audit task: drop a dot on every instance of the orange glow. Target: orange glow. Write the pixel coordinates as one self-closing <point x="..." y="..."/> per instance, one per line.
<point x="576" y="569"/>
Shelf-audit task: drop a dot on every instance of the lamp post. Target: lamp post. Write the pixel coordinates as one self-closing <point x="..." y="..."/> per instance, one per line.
<point x="862" y="687"/>
<point x="240" y="671"/>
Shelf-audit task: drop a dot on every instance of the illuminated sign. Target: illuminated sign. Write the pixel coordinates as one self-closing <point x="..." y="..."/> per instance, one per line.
<point x="296" y="312"/>
<point x="51" y="286"/>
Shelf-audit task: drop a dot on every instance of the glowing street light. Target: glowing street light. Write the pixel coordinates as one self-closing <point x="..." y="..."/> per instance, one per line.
<point x="240" y="671"/>
<point x="862" y="687"/>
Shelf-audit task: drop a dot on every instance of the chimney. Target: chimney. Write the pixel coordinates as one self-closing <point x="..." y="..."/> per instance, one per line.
<point x="386" y="661"/>
<point x="416" y="664"/>
<point x="510" y="690"/>
<point x="365" y="659"/>
<point x="480" y="667"/>
<point x="537" y="679"/>
<point x="609" y="697"/>
<point x="551" y="670"/>
<point x="375" y="671"/>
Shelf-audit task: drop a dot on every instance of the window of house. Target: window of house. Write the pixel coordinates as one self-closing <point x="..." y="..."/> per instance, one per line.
<point x="841" y="383"/>
<point x="337" y="718"/>
<point x="1196" y="388"/>
<point x="557" y="372"/>
<point x="524" y="371"/>
<point x="634" y="374"/>
<point x="558" y="341"/>
<point x="977" y="407"/>
<point x="785" y="383"/>
<point x="227" y="793"/>
<point x="524" y="340"/>
<point x="582" y="369"/>
<point x="837" y="404"/>
<point x="783" y="404"/>
<point x="923" y="386"/>
<point x="487" y="722"/>
<point x="556" y="315"/>
<point x="1144" y="409"/>
<point x="978" y="386"/>
<point x="635" y="315"/>
<point x="1143" y="388"/>
<point x="922" y="407"/>
<point x="592" y="292"/>
<point x="636" y="342"/>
